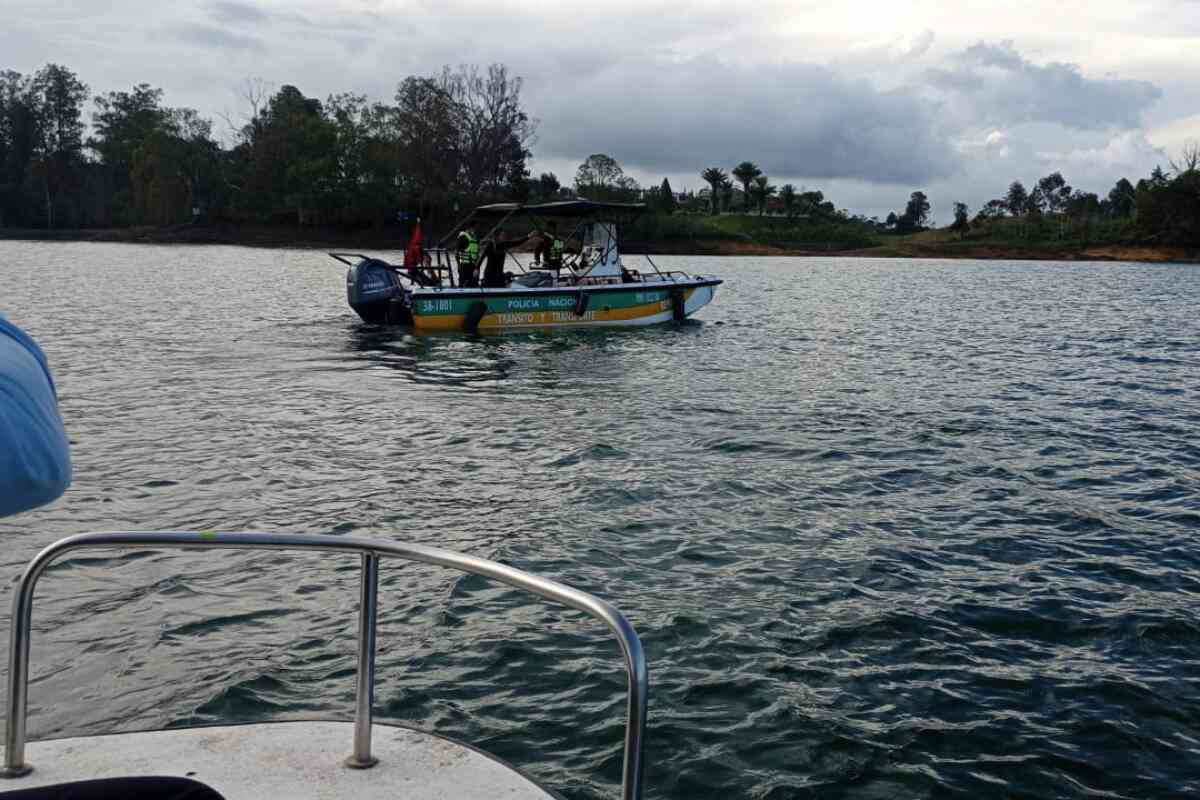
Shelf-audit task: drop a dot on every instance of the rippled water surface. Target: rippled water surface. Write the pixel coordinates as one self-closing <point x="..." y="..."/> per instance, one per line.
<point x="887" y="528"/>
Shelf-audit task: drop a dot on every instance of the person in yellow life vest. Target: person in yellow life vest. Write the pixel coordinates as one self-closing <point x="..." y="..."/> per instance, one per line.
<point x="468" y="258"/>
<point x="551" y="249"/>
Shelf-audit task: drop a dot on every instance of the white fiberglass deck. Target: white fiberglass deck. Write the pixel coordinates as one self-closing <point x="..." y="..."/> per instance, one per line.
<point x="300" y="760"/>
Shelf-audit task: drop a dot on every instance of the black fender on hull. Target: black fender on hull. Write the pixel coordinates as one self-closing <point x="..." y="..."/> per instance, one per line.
<point x="475" y="312"/>
<point x="678" y="305"/>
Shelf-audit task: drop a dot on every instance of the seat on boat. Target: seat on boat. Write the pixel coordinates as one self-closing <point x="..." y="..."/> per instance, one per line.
<point x="151" y="787"/>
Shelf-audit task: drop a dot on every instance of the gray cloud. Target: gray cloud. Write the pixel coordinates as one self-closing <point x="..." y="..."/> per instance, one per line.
<point x="630" y="77"/>
<point x="233" y="11"/>
<point x="1002" y="87"/>
<point x="214" y="37"/>
<point x="793" y="119"/>
<point x="283" y="23"/>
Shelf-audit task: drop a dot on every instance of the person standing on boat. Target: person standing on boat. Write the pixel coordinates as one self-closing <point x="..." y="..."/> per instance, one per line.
<point x="495" y="251"/>
<point x="35" y="463"/>
<point x="551" y="248"/>
<point x="468" y="258"/>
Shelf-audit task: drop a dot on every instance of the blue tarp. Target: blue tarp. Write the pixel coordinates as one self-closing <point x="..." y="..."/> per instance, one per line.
<point x="35" y="465"/>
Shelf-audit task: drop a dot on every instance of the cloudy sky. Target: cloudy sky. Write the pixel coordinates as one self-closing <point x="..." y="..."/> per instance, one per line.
<point x="865" y="101"/>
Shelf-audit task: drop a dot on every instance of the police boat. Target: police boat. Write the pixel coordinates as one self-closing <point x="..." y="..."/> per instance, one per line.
<point x="581" y="281"/>
<point x="363" y="759"/>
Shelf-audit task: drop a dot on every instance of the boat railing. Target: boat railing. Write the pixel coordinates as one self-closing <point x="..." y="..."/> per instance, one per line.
<point x="371" y="552"/>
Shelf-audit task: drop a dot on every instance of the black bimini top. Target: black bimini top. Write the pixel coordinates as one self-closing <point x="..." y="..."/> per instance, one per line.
<point x="581" y="207"/>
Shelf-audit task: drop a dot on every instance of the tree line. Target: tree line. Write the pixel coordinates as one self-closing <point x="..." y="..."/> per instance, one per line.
<point x="446" y="141"/>
<point x="758" y="193"/>
<point x="1161" y="208"/>
<point x="1164" y="207"/>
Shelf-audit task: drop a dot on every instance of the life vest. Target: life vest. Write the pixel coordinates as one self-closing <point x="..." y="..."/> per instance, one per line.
<point x="469" y="255"/>
<point x="557" y="246"/>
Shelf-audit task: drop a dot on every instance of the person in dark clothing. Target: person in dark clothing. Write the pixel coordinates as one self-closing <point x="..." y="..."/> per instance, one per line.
<point x="494" y="252"/>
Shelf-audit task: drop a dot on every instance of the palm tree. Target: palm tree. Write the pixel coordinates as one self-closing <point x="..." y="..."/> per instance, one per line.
<point x="762" y="191"/>
<point x="746" y="172"/>
<point x="787" y="193"/>
<point x="714" y="177"/>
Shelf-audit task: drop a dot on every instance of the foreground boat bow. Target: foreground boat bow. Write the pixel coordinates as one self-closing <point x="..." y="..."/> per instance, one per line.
<point x="276" y="760"/>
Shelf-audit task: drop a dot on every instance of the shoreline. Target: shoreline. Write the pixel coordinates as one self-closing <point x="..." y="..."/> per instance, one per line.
<point x="321" y="239"/>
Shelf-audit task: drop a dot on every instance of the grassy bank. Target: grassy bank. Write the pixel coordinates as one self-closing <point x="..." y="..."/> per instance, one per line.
<point x="1011" y="239"/>
<point x="698" y="234"/>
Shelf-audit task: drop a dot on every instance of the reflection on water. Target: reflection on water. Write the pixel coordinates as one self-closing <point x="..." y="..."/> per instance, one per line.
<point x="888" y="529"/>
<point x="460" y="359"/>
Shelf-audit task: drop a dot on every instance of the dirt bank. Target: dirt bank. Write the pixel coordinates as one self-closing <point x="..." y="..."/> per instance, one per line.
<point x="392" y="240"/>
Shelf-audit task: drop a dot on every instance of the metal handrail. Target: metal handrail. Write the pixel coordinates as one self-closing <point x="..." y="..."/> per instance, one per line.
<point x="371" y="551"/>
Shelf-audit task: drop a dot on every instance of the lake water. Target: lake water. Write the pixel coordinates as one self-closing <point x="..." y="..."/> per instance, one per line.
<point x="888" y="529"/>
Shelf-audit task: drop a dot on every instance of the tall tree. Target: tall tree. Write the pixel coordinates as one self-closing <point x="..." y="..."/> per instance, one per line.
<point x="493" y="128"/>
<point x="666" y="198"/>
<point x="19" y="140"/>
<point x="292" y="159"/>
<point x="993" y="209"/>
<point x="961" y="222"/>
<point x="1168" y="207"/>
<point x="746" y="172"/>
<point x="813" y="202"/>
<point x="787" y="195"/>
<point x="58" y="97"/>
<point x="715" y="177"/>
<point x="1036" y="202"/>
<point x="122" y="120"/>
<point x="763" y="190"/>
<point x="421" y="131"/>
<point x="1189" y="158"/>
<point x="547" y="186"/>
<point x="918" y="209"/>
<point x="1121" y="199"/>
<point x="600" y="177"/>
<point x="1035" y="221"/>
<point x="351" y="176"/>
<point x="121" y="123"/>
<point x="727" y="193"/>
<point x="1056" y="192"/>
<point x="1017" y="199"/>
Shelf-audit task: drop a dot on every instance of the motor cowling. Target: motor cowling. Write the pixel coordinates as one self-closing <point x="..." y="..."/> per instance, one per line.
<point x="374" y="291"/>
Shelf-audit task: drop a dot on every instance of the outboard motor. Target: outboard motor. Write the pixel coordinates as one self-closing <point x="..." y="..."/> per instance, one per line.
<point x="374" y="291"/>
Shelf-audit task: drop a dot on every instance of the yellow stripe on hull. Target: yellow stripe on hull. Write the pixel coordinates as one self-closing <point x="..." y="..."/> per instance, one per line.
<point x="543" y="319"/>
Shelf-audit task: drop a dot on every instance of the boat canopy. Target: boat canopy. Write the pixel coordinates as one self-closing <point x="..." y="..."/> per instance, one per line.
<point x="496" y="214"/>
<point x="581" y="207"/>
